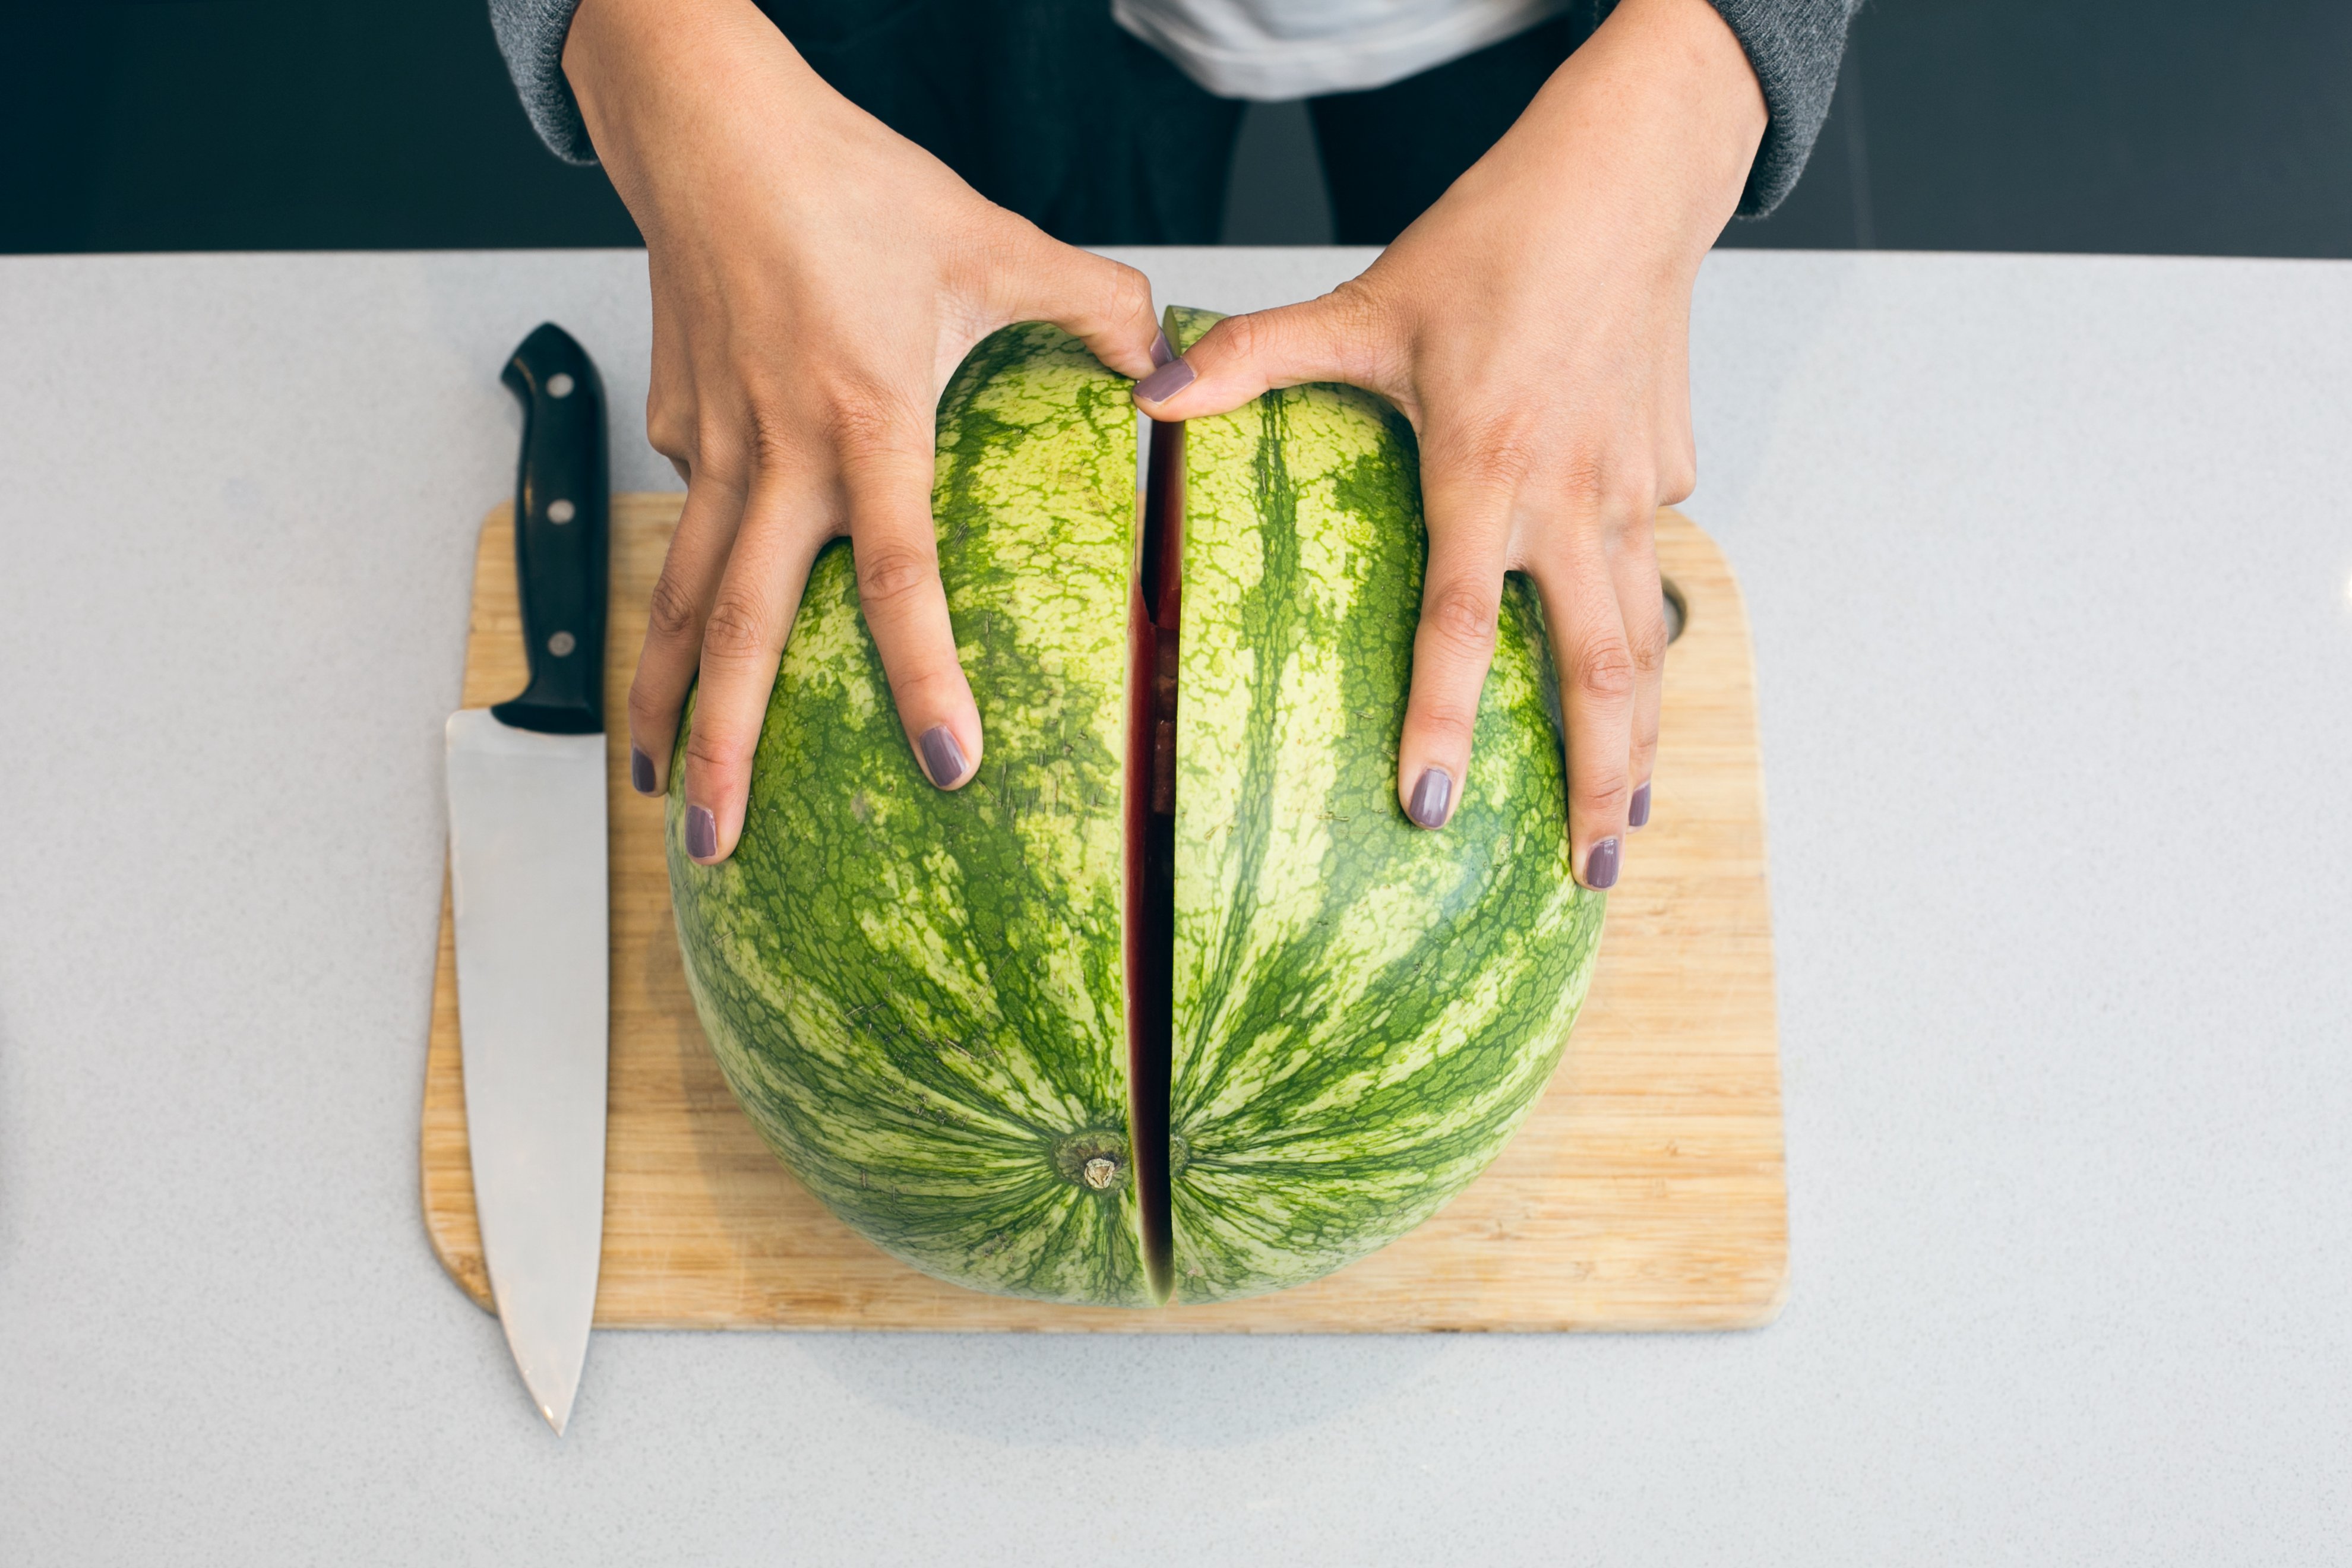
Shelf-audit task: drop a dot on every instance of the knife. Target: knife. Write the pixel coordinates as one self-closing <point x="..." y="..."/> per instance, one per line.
<point x="527" y="878"/>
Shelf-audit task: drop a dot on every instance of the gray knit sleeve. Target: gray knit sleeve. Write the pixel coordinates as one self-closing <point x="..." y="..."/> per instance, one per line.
<point x="530" y="35"/>
<point x="1794" y="45"/>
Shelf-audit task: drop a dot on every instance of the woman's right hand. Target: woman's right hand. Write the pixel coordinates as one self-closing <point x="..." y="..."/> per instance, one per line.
<point x="816" y="280"/>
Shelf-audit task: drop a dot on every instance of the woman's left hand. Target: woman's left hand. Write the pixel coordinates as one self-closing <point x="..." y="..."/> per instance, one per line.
<point x="1533" y="325"/>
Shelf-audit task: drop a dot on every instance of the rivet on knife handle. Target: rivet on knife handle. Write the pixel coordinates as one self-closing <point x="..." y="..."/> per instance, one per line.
<point x="559" y="535"/>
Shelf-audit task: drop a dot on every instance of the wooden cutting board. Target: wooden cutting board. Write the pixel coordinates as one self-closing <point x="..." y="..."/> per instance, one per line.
<point x="1644" y="1191"/>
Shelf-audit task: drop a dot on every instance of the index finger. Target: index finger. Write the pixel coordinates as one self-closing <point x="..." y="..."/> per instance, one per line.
<point x="895" y="546"/>
<point x="742" y="642"/>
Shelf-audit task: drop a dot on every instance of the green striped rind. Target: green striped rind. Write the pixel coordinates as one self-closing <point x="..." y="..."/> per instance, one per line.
<point x="1365" y="1012"/>
<point x="919" y="996"/>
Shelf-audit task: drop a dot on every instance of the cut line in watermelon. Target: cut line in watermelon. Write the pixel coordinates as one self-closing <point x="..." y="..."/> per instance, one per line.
<point x="1154" y="623"/>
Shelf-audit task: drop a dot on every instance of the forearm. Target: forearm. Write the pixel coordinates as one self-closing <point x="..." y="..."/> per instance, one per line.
<point x="1651" y="128"/>
<point x="666" y="86"/>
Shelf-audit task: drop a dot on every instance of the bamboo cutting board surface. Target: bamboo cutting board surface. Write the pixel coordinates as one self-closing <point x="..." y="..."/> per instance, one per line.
<point x="1644" y="1191"/>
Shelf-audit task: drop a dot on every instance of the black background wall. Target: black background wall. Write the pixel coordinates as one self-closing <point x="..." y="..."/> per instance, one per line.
<point x="2106" y="125"/>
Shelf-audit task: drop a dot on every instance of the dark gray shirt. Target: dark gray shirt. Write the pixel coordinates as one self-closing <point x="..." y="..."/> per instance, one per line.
<point x="1794" y="45"/>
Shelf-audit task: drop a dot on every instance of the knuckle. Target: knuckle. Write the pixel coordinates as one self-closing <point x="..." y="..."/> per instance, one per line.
<point x="721" y="452"/>
<point x="671" y="613"/>
<point x="1678" y="478"/>
<point x="714" y="751"/>
<point x="1605" y="798"/>
<point x="1127" y="293"/>
<point x="768" y="435"/>
<point x="1240" y="339"/>
<point x="1648" y="646"/>
<point x="1645" y="746"/>
<point x="737" y="630"/>
<point x="890" y="573"/>
<point x="1446" y="725"/>
<point x="650" y="713"/>
<point x="666" y="431"/>
<point x="1462" y="620"/>
<point x="1357" y="307"/>
<point x="1499" y="455"/>
<point x="866" y="424"/>
<point x="1616" y="495"/>
<point x="1604" y="671"/>
<point x="930" y="686"/>
<point x="1360" y="323"/>
<point x="1583" y="483"/>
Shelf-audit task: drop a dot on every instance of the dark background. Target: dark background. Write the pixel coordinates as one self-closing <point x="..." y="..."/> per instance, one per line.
<point x="2157" y="126"/>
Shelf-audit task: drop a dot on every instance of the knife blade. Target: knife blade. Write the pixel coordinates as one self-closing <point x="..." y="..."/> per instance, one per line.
<point x="528" y="877"/>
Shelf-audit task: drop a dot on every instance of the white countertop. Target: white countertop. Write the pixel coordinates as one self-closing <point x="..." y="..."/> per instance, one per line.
<point x="2050" y="562"/>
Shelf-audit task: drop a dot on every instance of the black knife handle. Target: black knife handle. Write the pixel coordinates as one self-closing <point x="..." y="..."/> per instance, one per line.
<point x="561" y="498"/>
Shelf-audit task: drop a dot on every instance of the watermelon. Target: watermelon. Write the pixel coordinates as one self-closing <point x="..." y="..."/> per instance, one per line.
<point x="1012" y="1037"/>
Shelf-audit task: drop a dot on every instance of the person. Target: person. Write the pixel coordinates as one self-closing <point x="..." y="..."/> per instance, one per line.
<point x="840" y="198"/>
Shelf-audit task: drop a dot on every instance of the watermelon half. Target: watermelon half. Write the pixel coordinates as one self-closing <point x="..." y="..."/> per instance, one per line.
<point x="1171" y="1002"/>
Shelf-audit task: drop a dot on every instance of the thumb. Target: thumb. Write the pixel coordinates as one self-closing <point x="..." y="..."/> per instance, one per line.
<point x="1331" y="338"/>
<point x="1104" y="304"/>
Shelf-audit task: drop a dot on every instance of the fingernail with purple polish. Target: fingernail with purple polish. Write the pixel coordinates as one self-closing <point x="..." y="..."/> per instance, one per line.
<point x="1637" y="814"/>
<point x="701" y="833"/>
<point x="1600" y="865"/>
<point x="1430" y="797"/>
<point x="1167" y="381"/>
<point x="943" y="758"/>
<point x="1161" y="352"/>
<point x="641" y="771"/>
